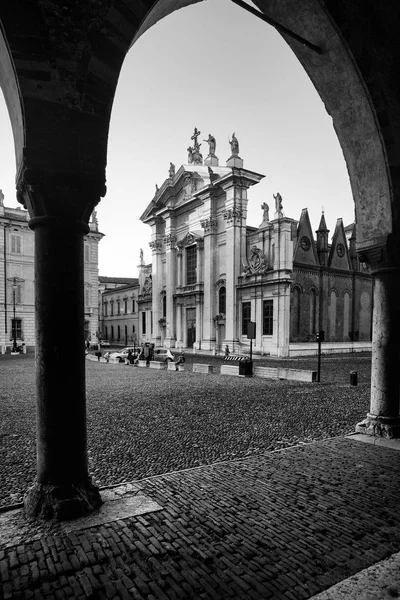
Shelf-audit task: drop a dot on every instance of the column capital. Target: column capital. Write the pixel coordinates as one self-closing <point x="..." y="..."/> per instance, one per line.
<point x="383" y="255"/>
<point x="59" y="194"/>
<point x="209" y="225"/>
<point x="170" y="241"/>
<point x="156" y="246"/>
<point x="233" y="216"/>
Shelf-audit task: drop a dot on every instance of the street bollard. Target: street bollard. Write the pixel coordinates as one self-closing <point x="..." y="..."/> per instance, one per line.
<point x="353" y="377"/>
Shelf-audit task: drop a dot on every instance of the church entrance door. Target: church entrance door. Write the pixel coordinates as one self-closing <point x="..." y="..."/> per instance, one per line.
<point x="191" y="326"/>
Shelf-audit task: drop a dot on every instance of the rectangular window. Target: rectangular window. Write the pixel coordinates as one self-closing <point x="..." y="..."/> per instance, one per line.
<point x="87" y="255"/>
<point x="118" y="308"/>
<point x="17" y="325"/>
<point x="191" y="265"/>
<point x="112" y="309"/>
<point x="17" y="290"/>
<point x="133" y="306"/>
<point x="151" y="322"/>
<point x="126" y="306"/>
<point x="268" y="317"/>
<point x="143" y="323"/>
<point x="246" y="316"/>
<point x="87" y="297"/>
<point x="16" y="244"/>
<point x="105" y="306"/>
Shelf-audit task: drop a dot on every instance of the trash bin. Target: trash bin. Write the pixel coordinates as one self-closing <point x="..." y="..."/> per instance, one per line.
<point x="353" y="377"/>
<point x="246" y="368"/>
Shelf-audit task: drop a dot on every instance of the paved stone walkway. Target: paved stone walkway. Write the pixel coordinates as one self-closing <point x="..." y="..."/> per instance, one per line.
<point x="285" y="525"/>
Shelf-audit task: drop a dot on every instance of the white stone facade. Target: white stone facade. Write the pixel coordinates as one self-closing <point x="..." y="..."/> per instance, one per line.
<point x="17" y="257"/>
<point x="212" y="275"/>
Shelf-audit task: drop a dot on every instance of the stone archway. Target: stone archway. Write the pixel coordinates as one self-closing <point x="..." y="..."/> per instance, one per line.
<point x="59" y="71"/>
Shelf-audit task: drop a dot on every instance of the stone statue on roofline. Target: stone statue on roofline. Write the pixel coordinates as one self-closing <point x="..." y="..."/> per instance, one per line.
<point x="212" y="145"/>
<point x="171" y="170"/>
<point x="265" y="209"/>
<point x="1" y="198"/>
<point x="278" y="205"/>
<point x="234" y="145"/>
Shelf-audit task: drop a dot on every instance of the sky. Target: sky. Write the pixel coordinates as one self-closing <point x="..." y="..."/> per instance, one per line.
<point x="218" y="68"/>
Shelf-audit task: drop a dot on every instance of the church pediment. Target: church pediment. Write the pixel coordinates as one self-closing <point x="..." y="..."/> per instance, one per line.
<point x="192" y="237"/>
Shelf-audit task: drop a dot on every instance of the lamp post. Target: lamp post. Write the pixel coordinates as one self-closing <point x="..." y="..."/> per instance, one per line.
<point x="14" y="284"/>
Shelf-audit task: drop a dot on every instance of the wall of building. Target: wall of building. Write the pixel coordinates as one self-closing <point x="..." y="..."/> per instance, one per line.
<point x="120" y="315"/>
<point x="17" y="256"/>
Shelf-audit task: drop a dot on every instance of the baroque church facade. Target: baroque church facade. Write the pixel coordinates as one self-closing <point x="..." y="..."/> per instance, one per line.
<point x="212" y="274"/>
<point x="17" y="279"/>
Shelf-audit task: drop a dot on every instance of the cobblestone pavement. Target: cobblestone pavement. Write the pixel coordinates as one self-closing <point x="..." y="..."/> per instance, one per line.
<point x="284" y="525"/>
<point x="143" y="422"/>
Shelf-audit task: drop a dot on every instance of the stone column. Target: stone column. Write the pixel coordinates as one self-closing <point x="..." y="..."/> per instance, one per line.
<point x="235" y="218"/>
<point x="383" y="419"/>
<point x="156" y="248"/>
<point x="63" y="489"/>
<point x="210" y="226"/>
<point x="199" y="323"/>
<point x="179" y="340"/>
<point x="170" y="333"/>
<point x="179" y="264"/>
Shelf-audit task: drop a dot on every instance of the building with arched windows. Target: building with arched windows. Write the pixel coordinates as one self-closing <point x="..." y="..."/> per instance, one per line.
<point x="212" y="274"/>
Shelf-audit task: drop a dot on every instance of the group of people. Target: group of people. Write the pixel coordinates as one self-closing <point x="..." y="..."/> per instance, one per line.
<point x="132" y="357"/>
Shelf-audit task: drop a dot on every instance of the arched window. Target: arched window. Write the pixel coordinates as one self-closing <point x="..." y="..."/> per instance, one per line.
<point x="346" y="315"/>
<point x="296" y="310"/>
<point x="313" y="311"/>
<point x="222" y="300"/>
<point x="119" y="332"/>
<point x="332" y="314"/>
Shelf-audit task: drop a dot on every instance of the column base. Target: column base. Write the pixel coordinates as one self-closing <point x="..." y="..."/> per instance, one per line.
<point x="61" y="503"/>
<point x="385" y="427"/>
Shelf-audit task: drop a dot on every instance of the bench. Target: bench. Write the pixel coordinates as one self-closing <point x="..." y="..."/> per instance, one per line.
<point x="156" y="364"/>
<point x="298" y="375"/>
<point x="282" y="373"/>
<point x="201" y="368"/>
<point x="229" y="369"/>
<point x="171" y="366"/>
<point x="266" y="372"/>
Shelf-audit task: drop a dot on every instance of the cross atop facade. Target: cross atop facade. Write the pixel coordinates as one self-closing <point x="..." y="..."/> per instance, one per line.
<point x="195" y="136"/>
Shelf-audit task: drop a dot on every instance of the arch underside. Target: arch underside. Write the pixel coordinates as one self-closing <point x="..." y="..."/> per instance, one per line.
<point x="77" y="96"/>
<point x="339" y="84"/>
